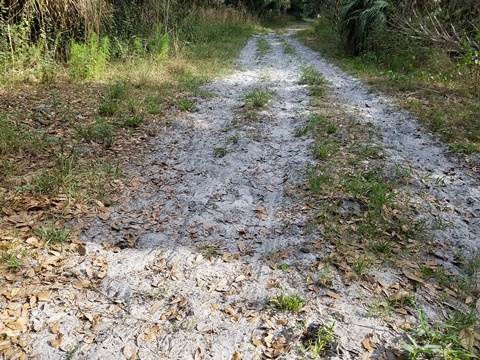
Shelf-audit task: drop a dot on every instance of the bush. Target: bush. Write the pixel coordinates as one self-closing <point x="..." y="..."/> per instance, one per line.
<point x="89" y="60"/>
<point x="358" y="21"/>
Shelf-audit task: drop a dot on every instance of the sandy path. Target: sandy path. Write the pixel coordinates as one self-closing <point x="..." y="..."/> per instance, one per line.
<point x="208" y="213"/>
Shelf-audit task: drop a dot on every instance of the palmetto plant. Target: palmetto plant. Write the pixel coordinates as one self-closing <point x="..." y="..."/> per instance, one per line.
<point x="360" y="19"/>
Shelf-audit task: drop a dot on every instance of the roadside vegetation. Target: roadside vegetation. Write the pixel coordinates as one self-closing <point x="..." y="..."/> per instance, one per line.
<point x="74" y="104"/>
<point x="363" y="208"/>
<point x="424" y="55"/>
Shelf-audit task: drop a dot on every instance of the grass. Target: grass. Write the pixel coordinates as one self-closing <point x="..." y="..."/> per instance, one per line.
<point x="291" y="302"/>
<point x="289" y="49"/>
<point x="423" y="79"/>
<point x="318" y="338"/>
<point x="311" y="76"/>
<point x="359" y="202"/>
<point x="186" y="104"/>
<point x="263" y="47"/>
<point x="52" y="234"/>
<point x="101" y="131"/>
<point x="10" y="259"/>
<point x="257" y="97"/>
<point x="133" y="122"/>
<point x="220" y="152"/>
<point x="454" y="340"/>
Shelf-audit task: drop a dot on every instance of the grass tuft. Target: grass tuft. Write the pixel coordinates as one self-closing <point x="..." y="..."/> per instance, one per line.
<point x="51" y="234"/>
<point x="292" y="302"/>
<point x="257" y="97"/>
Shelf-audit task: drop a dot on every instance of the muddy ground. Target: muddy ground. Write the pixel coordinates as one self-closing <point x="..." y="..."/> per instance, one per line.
<point x="182" y="267"/>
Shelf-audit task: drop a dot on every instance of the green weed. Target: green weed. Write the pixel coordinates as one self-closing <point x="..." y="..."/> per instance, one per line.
<point x="312" y="77"/>
<point x="316" y="91"/>
<point x="361" y="266"/>
<point x="134" y="106"/>
<point x="220" y="151"/>
<point x="233" y="139"/>
<point x="154" y="106"/>
<point x="451" y="341"/>
<point x="118" y="90"/>
<point x="324" y="150"/>
<point x="89" y="60"/>
<point x="326" y="277"/>
<point x="48" y="182"/>
<point x="382" y="247"/>
<point x="101" y="131"/>
<point x="289" y="49"/>
<point x="318" y="338"/>
<point x="257" y="97"/>
<point x="108" y="108"/>
<point x="263" y="47"/>
<point x="133" y="122"/>
<point x="318" y="179"/>
<point x="51" y="234"/>
<point x="186" y="104"/>
<point x="10" y="259"/>
<point x="16" y="139"/>
<point x="292" y="302"/>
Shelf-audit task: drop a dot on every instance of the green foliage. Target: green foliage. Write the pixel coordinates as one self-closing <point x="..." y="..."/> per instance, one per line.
<point x="454" y="340"/>
<point x="108" y="108"/>
<point x="257" y="97"/>
<point x="10" y="259"/>
<point x="159" y="43"/>
<point x="186" y="104"/>
<point x="263" y="47"/>
<point x="51" y="234"/>
<point x="133" y="122"/>
<point x="292" y="302"/>
<point x="89" y="60"/>
<point x="101" y="131"/>
<point x="360" y="18"/>
<point x="220" y="152"/>
<point x="118" y="90"/>
<point x="318" y="338"/>
<point x="311" y="76"/>
<point x="15" y="138"/>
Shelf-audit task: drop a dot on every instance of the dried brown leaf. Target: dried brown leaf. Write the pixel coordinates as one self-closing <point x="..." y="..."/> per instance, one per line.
<point x="130" y="353"/>
<point x="55" y="327"/>
<point x="155" y="307"/>
<point x="368" y="344"/>
<point x="260" y="211"/>
<point x="333" y="295"/>
<point x="412" y="276"/>
<point x="256" y="342"/>
<point x="242" y="247"/>
<point x="57" y="341"/>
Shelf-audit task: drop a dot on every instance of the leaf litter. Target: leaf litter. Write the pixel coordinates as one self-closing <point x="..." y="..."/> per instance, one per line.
<point x="186" y="265"/>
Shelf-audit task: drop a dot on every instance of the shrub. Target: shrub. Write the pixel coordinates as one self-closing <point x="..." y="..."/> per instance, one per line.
<point x="359" y="19"/>
<point x="89" y="60"/>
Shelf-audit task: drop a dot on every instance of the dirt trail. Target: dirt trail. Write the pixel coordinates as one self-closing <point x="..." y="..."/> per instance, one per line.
<point x="207" y="211"/>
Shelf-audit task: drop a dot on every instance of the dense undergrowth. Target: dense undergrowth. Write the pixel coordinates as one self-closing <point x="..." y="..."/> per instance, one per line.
<point x="441" y="90"/>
